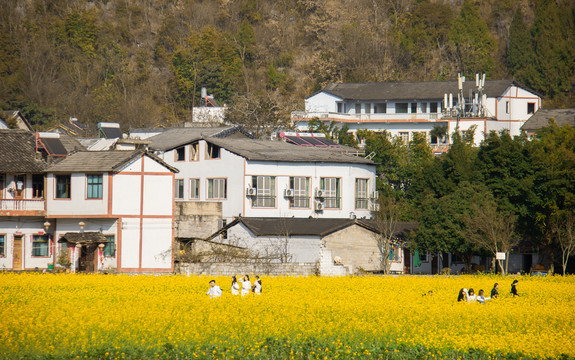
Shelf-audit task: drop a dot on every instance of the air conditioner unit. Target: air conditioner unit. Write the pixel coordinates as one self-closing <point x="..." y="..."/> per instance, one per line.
<point x="288" y="193"/>
<point x="319" y="193"/>
<point x="318" y="206"/>
<point x="251" y="191"/>
<point x="375" y="195"/>
<point x="374" y="207"/>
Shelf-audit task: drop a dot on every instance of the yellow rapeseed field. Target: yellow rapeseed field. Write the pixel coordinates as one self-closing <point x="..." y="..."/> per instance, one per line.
<point x="107" y="316"/>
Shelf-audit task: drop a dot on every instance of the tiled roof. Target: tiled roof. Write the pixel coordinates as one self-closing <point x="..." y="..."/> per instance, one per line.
<point x="18" y="152"/>
<point x="429" y="90"/>
<point x="100" y="161"/>
<point x="541" y="118"/>
<point x="175" y="137"/>
<point x="261" y="226"/>
<point x="268" y="150"/>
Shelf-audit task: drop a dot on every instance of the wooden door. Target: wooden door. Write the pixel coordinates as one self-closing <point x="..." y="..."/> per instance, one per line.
<point x="17" y="253"/>
<point x="88" y="259"/>
<point x="19" y="185"/>
<point x="407" y="261"/>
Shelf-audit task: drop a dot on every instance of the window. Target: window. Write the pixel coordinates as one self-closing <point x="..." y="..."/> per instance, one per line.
<point x="2" y="245"/>
<point x="2" y="185"/>
<point x="423" y="257"/>
<point x="413" y="108"/>
<point x="179" y="188"/>
<point x="380" y="108"/>
<point x="213" y="151"/>
<point x="194" y="188"/>
<point x="361" y="194"/>
<point x="340" y="107"/>
<point x="531" y="108"/>
<point x="222" y="224"/>
<point x="62" y="186"/>
<point x="424" y="107"/>
<point x="358" y="108"/>
<point x="110" y="248"/>
<point x="300" y="187"/>
<point x="94" y="186"/>
<point x="181" y="154"/>
<point x="367" y="107"/>
<point x="507" y="107"/>
<point x="40" y="245"/>
<point x="401" y="108"/>
<point x="37" y="186"/>
<point x="404" y="136"/>
<point x="456" y="259"/>
<point x="395" y="254"/>
<point x="266" y="191"/>
<point x="194" y="151"/>
<point x="433" y="108"/>
<point x="217" y="188"/>
<point x="330" y="187"/>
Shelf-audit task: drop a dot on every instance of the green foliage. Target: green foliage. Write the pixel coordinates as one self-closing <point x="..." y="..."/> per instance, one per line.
<point x="520" y="52"/>
<point x="247" y="41"/>
<point x="473" y="44"/>
<point x="81" y="32"/>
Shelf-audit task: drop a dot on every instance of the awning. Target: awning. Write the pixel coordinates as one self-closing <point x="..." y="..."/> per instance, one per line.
<point x="84" y="238"/>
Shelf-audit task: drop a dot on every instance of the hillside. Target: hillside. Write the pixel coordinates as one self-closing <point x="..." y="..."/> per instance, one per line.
<point x="143" y="62"/>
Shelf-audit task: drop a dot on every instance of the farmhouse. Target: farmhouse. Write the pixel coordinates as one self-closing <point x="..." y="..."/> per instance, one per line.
<point x="404" y="108"/>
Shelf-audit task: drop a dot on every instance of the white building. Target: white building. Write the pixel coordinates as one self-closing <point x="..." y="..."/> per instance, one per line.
<point x="403" y="108"/>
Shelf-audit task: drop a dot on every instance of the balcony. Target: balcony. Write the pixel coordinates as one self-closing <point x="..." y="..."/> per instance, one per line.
<point x="22" y="207"/>
<point x="367" y="118"/>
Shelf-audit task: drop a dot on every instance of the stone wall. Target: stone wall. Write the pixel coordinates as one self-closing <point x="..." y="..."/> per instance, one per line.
<point x="197" y="219"/>
<point x="229" y="269"/>
<point x="355" y="247"/>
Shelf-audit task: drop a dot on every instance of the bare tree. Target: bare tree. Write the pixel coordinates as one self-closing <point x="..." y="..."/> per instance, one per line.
<point x="488" y="228"/>
<point x="564" y="228"/>
<point x="386" y="219"/>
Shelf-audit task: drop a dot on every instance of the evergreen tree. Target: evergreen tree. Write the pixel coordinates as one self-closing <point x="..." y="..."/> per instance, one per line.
<point x="520" y="52"/>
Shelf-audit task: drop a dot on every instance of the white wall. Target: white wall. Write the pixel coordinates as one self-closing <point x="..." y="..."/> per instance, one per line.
<point x="130" y="243"/>
<point x="78" y="204"/>
<point x="157" y="244"/>
<point x="321" y="102"/>
<point x="27" y="227"/>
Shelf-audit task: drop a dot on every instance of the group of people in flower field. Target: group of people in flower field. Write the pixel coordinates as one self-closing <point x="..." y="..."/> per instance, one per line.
<point x="469" y="296"/>
<point x="243" y="287"/>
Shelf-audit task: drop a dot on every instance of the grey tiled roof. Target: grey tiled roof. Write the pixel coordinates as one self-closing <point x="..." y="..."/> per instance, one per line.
<point x="268" y="150"/>
<point x="174" y="137"/>
<point x="99" y="161"/>
<point x="541" y="118"/>
<point x="261" y="226"/>
<point x="18" y="152"/>
<point x="429" y="90"/>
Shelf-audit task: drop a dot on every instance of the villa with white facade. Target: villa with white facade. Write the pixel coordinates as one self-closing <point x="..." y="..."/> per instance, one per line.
<point x="404" y="108"/>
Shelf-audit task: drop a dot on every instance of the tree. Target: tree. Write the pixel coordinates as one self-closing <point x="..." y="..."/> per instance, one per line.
<point x="564" y="229"/>
<point x="520" y="52"/>
<point x="386" y="220"/>
<point x="490" y="229"/>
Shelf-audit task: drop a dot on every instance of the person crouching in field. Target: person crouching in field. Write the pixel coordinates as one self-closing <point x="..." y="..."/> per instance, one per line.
<point x="246" y="285"/>
<point x="257" y="288"/>
<point x="215" y="291"/>
<point x="235" y="286"/>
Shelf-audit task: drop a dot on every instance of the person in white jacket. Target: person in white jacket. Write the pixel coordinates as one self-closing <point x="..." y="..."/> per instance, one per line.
<point x="246" y="285"/>
<point x="235" y="286"/>
<point x="257" y="286"/>
<point x="214" y="291"/>
<point x="471" y="297"/>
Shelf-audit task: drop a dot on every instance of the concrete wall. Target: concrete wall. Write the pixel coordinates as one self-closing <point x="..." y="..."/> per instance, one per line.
<point x="197" y="219"/>
<point x="230" y="269"/>
<point x="78" y="204"/>
<point x="25" y="227"/>
<point x="355" y="246"/>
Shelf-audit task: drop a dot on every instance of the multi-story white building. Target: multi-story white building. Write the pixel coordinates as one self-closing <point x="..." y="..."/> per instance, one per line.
<point x="404" y="108"/>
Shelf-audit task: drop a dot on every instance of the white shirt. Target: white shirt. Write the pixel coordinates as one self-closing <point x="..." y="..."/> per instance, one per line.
<point x="236" y="288"/>
<point x="471" y="298"/>
<point x="214" y="292"/>
<point x="246" y="287"/>
<point x="257" y="288"/>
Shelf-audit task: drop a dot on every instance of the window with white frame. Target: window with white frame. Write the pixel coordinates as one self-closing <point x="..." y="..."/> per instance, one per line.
<point x="194" y="188"/>
<point x="367" y="108"/>
<point x="217" y="188"/>
<point x="395" y="254"/>
<point x="37" y="186"/>
<point x="94" y="186"/>
<point x="424" y="107"/>
<point x="380" y="108"/>
<point x="530" y="108"/>
<point x="340" y="108"/>
<point x="331" y="188"/>
<point x="361" y="193"/>
<point x="40" y="244"/>
<point x="433" y="107"/>
<point x="401" y="108"/>
<point x="265" y="191"/>
<point x="2" y="245"/>
<point x="404" y="136"/>
<point x="179" y="188"/>
<point x="110" y="247"/>
<point x="300" y="186"/>
<point x="358" y="108"/>
<point x="413" y="108"/>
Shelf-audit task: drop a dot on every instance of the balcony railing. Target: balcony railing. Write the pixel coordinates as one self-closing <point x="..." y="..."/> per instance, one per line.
<point x="374" y="117"/>
<point x="22" y="205"/>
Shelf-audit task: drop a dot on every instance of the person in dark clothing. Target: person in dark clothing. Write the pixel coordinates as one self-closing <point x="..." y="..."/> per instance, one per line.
<point x="494" y="291"/>
<point x="462" y="295"/>
<point x="514" y="288"/>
